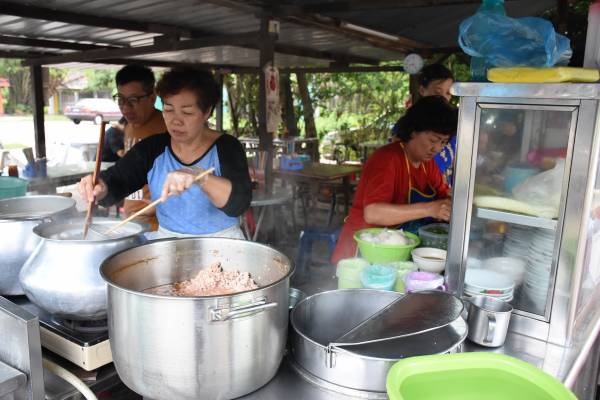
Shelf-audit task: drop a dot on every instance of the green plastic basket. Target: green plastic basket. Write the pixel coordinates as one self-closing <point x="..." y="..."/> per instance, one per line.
<point x="384" y="253"/>
<point x="471" y="376"/>
<point x="12" y="187"/>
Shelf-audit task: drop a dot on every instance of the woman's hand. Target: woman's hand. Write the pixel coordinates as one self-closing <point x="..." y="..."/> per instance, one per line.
<point x="89" y="192"/>
<point x="179" y="181"/>
<point x="440" y="209"/>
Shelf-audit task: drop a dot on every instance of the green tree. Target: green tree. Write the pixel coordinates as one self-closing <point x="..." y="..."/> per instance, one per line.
<point x="100" y="79"/>
<point x="242" y="103"/>
<point x="19" y="93"/>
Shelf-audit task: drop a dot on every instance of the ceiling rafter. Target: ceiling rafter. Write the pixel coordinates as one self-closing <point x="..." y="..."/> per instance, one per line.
<point x="240" y="39"/>
<point x="361" y="5"/>
<point x="297" y="15"/>
<point x="52" y="44"/>
<point x="25" y="54"/>
<point x="47" y="14"/>
<point x="172" y="31"/>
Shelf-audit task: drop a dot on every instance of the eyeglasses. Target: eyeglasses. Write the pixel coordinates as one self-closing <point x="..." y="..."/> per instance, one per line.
<point x="131" y="101"/>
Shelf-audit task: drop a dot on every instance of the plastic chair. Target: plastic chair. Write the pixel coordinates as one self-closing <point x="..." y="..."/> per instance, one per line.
<point x="307" y="237"/>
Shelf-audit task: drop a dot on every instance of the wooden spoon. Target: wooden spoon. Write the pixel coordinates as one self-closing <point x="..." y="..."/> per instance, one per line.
<point x="91" y="205"/>
<point x="152" y="205"/>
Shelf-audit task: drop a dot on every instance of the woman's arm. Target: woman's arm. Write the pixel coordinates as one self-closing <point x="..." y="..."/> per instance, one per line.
<point x="236" y="189"/>
<point x="231" y="192"/>
<point x="387" y="214"/>
<point x="130" y="172"/>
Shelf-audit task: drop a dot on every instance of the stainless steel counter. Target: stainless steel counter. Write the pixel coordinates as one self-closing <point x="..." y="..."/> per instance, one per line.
<point x="576" y="366"/>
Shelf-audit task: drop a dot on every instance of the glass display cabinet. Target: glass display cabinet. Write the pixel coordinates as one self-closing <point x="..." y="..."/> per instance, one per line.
<point x="525" y="223"/>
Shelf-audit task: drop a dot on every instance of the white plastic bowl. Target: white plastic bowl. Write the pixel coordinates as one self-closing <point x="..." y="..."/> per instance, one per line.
<point x="477" y="280"/>
<point x="510" y="266"/>
<point x="429" y="259"/>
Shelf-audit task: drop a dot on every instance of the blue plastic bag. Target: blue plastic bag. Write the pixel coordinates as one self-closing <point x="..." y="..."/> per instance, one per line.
<point x="513" y="42"/>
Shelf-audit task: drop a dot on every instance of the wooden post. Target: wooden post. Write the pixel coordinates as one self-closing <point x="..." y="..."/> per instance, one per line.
<point x="37" y="86"/>
<point x="267" y="53"/>
<point x="219" y="105"/>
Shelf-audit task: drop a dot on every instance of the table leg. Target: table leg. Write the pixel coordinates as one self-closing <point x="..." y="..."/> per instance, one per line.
<point x="346" y="184"/>
<point x="332" y="206"/>
<point x="261" y="215"/>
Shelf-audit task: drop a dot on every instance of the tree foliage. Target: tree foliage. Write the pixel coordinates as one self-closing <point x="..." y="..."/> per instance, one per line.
<point x="242" y="103"/>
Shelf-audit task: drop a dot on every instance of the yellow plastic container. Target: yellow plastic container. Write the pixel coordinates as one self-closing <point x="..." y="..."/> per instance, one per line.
<point x="348" y="272"/>
<point x="542" y="75"/>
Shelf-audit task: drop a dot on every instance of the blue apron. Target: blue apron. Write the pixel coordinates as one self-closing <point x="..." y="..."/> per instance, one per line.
<point x="416" y="196"/>
<point x="445" y="160"/>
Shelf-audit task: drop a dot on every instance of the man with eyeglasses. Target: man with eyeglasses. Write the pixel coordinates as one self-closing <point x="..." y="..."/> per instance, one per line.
<point x="135" y="97"/>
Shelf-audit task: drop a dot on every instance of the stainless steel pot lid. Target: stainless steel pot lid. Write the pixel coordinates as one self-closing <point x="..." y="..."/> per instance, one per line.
<point x="34" y="207"/>
<point x="437" y="341"/>
<point x="72" y="230"/>
<point x="412" y="314"/>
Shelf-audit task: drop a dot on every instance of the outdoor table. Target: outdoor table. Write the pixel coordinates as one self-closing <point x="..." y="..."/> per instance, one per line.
<point x="261" y="200"/>
<point x="315" y="173"/>
<point x="367" y="148"/>
<point x="63" y="175"/>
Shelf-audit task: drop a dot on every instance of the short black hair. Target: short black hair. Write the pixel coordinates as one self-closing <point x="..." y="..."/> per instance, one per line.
<point x="434" y="72"/>
<point x="195" y="79"/>
<point x="431" y="113"/>
<point x="136" y="73"/>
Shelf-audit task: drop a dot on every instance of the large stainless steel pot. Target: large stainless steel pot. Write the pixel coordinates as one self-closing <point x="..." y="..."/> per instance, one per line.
<point x="322" y="318"/>
<point x="213" y="347"/>
<point x="62" y="274"/>
<point x="18" y="217"/>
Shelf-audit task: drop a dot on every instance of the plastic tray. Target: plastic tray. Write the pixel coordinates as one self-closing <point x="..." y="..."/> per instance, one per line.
<point x="471" y="376"/>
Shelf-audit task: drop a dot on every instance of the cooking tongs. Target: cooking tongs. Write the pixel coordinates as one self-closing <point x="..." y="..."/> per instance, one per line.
<point x="411" y="314"/>
<point x="91" y="206"/>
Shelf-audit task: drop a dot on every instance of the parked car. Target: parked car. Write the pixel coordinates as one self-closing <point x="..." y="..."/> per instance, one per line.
<point x="95" y="110"/>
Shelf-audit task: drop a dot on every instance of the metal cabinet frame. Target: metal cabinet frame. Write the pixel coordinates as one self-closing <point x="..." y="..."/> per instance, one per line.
<point x="562" y="320"/>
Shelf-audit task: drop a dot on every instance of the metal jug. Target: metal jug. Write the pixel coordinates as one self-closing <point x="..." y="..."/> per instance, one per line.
<point x="488" y="320"/>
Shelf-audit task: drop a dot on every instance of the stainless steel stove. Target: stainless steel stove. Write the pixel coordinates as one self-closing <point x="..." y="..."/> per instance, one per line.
<point x="84" y="343"/>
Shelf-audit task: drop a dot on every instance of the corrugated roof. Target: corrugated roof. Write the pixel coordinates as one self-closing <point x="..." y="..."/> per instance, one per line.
<point x="305" y="39"/>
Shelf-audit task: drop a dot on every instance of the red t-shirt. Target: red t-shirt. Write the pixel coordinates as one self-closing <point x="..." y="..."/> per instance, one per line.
<point x="385" y="179"/>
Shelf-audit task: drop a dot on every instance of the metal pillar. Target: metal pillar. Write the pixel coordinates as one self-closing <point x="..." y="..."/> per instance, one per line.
<point x="37" y="86"/>
<point x="268" y="35"/>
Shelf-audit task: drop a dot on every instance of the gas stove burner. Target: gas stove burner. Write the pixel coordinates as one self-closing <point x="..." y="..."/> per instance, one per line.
<point x="91" y="326"/>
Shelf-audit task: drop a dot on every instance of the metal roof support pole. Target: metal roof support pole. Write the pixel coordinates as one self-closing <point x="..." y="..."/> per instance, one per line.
<point x="37" y="86"/>
<point x="268" y="35"/>
<point x="219" y="105"/>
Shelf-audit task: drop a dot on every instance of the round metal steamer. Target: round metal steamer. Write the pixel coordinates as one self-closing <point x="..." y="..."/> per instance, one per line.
<point x="212" y="347"/>
<point x="62" y="275"/>
<point x="18" y="217"/>
<point x="324" y="317"/>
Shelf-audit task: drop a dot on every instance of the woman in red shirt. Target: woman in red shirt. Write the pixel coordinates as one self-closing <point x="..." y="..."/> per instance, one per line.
<point x="401" y="185"/>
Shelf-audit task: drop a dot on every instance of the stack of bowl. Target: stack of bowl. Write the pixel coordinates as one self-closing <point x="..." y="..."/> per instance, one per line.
<point x="511" y="267"/>
<point x="539" y="264"/>
<point x="489" y="283"/>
